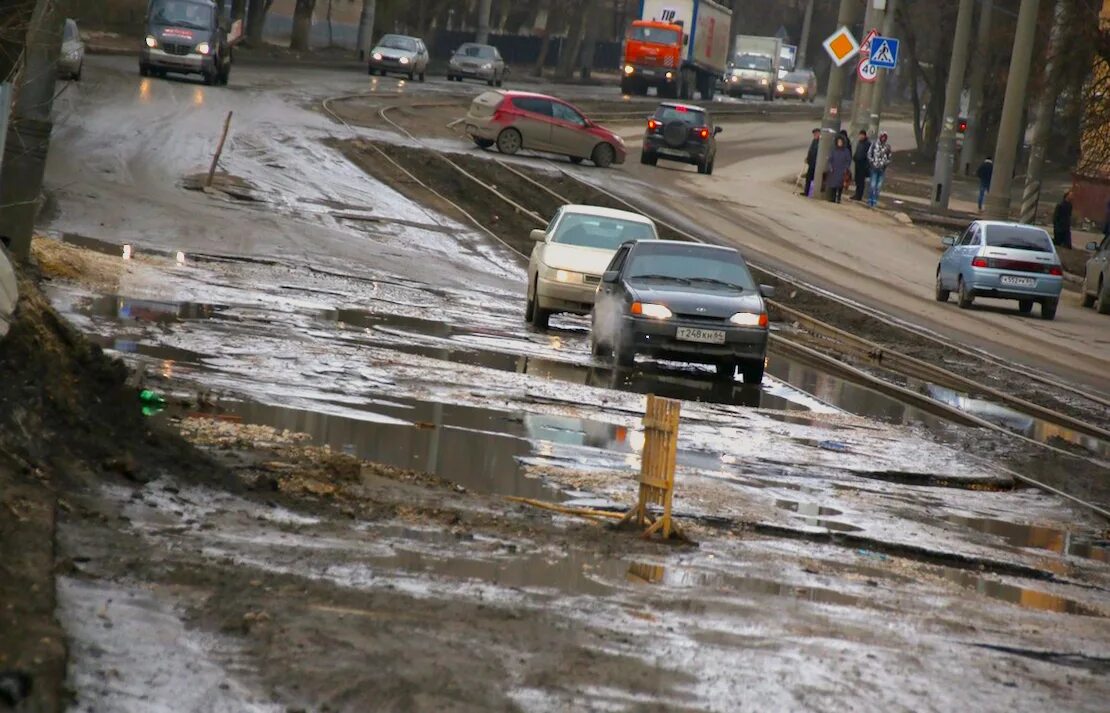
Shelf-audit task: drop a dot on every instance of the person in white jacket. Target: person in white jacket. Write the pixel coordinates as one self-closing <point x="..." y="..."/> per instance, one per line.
<point x="879" y="157"/>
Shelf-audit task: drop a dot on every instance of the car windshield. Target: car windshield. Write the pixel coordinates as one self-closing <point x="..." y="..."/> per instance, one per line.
<point x="691" y="264"/>
<point x="693" y="117"/>
<point x="654" y="35"/>
<point x="595" y="231"/>
<point x="753" y="61"/>
<point x="182" y="13"/>
<point x="479" y="51"/>
<point x="1017" y="237"/>
<point x="396" y="42"/>
<point x="797" y="77"/>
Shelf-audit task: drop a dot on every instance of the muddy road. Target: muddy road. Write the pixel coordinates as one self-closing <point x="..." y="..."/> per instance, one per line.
<point x="353" y="357"/>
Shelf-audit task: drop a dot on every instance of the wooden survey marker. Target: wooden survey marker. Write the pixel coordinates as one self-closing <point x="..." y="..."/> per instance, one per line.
<point x="657" y="468"/>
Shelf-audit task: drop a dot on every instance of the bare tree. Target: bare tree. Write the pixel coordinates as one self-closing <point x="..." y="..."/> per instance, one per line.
<point x="300" y="39"/>
<point x="256" y="20"/>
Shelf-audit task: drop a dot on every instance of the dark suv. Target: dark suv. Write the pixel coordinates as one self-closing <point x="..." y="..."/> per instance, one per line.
<point x="681" y="132"/>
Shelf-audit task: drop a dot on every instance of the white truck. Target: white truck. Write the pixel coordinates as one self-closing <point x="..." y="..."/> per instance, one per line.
<point x="755" y="66"/>
<point x="677" y="46"/>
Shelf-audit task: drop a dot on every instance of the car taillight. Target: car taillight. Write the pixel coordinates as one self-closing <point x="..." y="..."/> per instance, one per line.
<point x="763" y="320"/>
<point x="704" y="133"/>
<point x="681" y="109"/>
<point x="963" y="126"/>
<point x="979" y="262"/>
<point x="653" y="124"/>
<point x="1056" y="270"/>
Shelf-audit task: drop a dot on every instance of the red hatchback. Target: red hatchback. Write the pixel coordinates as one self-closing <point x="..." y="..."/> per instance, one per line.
<point x="522" y="120"/>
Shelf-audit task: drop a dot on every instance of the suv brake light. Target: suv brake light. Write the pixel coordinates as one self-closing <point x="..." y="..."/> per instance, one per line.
<point x="653" y="124"/>
<point x="681" y="109"/>
<point x="979" y="262"/>
<point x="703" y="132"/>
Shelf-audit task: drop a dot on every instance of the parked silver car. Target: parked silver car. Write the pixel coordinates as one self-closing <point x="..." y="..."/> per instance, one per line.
<point x="1096" y="281"/>
<point x="1008" y="261"/>
<point x="474" y="61"/>
<point x="72" y="58"/>
<point x="399" y="54"/>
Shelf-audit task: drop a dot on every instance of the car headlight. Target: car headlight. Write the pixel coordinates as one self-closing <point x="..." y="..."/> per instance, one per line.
<point x="780" y="88"/>
<point x="734" y="78"/>
<point x="648" y="309"/>
<point x="151" y="41"/>
<point x="568" y="276"/>
<point x="629" y="69"/>
<point x="203" y="48"/>
<point x="487" y="65"/>
<point x="749" y="319"/>
<point x="404" y="60"/>
<point x="764" y="82"/>
<point x="378" y="56"/>
<point x="801" y="90"/>
<point x="670" y="76"/>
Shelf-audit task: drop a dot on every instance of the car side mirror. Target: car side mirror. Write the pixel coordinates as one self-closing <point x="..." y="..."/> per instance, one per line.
<point x="538" y="236"/>
<point x="1092" y="246"/>
<point x="717" y="130"/>
<point x="610" y="277"/>
<point x="767" y="291"/>
<point x="949" y="240"/>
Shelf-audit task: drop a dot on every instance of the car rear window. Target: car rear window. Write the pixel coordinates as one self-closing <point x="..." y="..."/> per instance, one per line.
<point x="486" y="103"/>
<point x="1018" y="238"/>
<point x="595" y="231"/>
<point x="692" y="117"/>
<point x="691" y="262"/>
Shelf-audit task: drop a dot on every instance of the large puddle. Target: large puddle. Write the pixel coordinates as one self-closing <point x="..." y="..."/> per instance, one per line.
<point x="1039" y="537"/>
<point x="561" y="355"/>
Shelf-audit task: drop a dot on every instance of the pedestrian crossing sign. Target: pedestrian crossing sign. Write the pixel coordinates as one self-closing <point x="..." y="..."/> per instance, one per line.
<point x="884" y="52"/>
<point x="841" y="46"/>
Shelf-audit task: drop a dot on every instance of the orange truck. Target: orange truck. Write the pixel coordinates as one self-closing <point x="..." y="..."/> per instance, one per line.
<point x="678" y="47"/>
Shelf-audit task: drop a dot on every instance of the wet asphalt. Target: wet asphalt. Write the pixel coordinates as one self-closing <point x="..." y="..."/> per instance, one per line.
<point x="400" y="340"/>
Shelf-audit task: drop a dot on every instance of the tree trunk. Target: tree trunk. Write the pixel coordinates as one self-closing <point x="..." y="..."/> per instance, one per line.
<point x="576" y="27"/>
<point x="256" y="20"/>
<point x="545" y="44"/>
<point x="238" y="9"/>
<point x="366" y="28"/>
<point x="589" y="46"/>
<point x="300" y="40"/>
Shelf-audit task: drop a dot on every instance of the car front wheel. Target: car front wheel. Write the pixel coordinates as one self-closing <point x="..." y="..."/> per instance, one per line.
<point x="753" y="373"/>
<point x="603" y="156"/>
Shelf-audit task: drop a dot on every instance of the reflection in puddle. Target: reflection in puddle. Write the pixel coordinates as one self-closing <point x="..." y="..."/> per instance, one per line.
<point x="1016" y="421"/>
<point x="1035" y="536"/>
<point x="125" y="309"/>
<point x="1026" y="598"/>
<point x="814" y="515"/>
<point x="644" y="573"/>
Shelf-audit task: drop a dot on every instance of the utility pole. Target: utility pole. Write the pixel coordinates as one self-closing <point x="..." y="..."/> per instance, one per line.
<point x="830" y="122"/>
<point x="803" y="42"/>
<point x="860" y="91"/>
<point x="1046" y="109"/>
<point x="1005" y="151"/>
<point x="881" y="79"/>
<point x="483" y="22"/>
<point x="946" y="145"/>
<point x="366" y="29"/>
<point x="29" y="130"/>
<point x="975" y="90"/>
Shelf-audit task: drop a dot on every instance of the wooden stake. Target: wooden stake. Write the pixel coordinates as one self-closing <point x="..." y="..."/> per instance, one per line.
<point x="219" y="150"/>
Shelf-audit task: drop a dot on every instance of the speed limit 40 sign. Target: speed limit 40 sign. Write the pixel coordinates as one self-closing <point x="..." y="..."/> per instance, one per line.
<point x="866" y="71"/>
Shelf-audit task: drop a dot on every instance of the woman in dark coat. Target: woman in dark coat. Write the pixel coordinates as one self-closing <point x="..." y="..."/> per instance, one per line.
<point x="840" y="166"/>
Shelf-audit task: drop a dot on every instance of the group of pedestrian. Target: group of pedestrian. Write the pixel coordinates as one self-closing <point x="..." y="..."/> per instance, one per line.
<point x="870" y="161"/>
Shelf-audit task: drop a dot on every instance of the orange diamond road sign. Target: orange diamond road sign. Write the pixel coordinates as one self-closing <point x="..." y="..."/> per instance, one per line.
<point x="841" y="46"/>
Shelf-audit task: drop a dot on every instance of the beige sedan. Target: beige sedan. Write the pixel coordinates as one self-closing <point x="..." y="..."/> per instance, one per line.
<point x="571" y="254"/>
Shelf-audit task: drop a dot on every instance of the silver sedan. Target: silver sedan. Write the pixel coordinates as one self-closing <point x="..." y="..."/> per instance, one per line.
<point x="400" y="55"/>
<point x="474" y="61"/>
